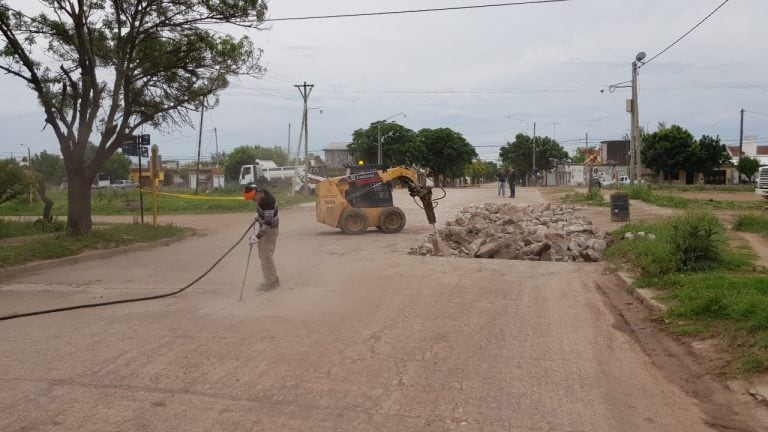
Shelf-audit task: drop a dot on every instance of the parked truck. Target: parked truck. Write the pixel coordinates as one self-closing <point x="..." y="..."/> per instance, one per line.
<point x="265" y="170"/>
<point x="762" y="182"/>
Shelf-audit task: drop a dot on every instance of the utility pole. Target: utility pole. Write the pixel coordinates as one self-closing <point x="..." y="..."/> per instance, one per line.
<point x="533" y="167"/>
<point x="216" y="136"/>
<point x="305" y="90"/>
<point x="199" y="144"/>
<point x="289" y="143"/>
<point x="741" y="139"/>
<point x="591" y="160"/>
<point x="635" y="167"/>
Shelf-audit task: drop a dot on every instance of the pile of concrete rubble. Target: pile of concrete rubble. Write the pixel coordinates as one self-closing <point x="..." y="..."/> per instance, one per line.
<point x="541" y="232"/>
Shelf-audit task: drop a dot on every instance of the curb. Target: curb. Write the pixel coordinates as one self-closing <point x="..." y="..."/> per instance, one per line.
<point x="38" y="267"/>
<point x="645" y="295"/>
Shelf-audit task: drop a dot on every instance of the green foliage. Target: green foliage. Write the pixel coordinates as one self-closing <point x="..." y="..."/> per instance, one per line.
<point x="667" y="150"/>
<point x="519" y="154"/>
<point x="118" y="166"/>
<point x="593" y="197"/>
<point x="691" y="242"/>
<point x="50" y="166"/>
<point x="578" y="156"/>
<point x="748" y="166"/>
<point x="15" y="181"/>
<point x="751" y="222"/>
<point x="707" y="154"/>
<point x="246" y="155"/>
<point x="398" y="144"/>
<point x="692" y="237"/>
<point x="126" y="202"/>
<point x="59" y="245"/>
<point x="16" y="228"/>
<point x="446" y="152"/>
<point x="118" y="67"/>
<point x="481" y="171"/>
<point x="673" y="149"/>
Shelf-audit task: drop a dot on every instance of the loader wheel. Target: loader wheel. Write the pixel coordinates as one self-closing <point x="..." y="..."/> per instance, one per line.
<point x="354" y="221"/>
<point x="391" y="220"/>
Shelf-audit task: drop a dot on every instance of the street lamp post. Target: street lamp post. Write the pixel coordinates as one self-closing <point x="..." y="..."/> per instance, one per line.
<point x="29" y="167"/>
<point x="635" y="144"/>
<point x="384" y="121"/>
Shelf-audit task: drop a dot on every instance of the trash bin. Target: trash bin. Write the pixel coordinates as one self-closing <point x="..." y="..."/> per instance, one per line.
<point x="619" y="207"/>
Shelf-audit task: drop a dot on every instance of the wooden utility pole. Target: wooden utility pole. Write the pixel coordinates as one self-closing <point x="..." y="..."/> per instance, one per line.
<point x="199" y="144"/>
<point x="635" y="167"/>
<point x="305" y="90"/>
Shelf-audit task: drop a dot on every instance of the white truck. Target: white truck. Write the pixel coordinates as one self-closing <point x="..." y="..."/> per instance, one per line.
<point x="267" y="170"/>
<point x="762" y="182"/>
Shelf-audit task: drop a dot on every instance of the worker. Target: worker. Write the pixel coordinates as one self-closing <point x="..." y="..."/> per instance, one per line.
<point x="511" y="177"/>
<point x="266" y="236"/>
<point x="502" y="181"/>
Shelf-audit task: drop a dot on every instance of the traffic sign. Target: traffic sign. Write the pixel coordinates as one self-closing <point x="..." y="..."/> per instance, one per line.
<point x="144" y="140"/>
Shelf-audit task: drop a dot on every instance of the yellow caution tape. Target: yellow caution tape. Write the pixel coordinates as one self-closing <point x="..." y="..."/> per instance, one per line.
<point x="196" y="197"/>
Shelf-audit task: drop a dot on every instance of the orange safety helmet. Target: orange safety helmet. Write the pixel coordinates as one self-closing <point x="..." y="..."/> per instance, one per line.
<point x="250" y="189"/>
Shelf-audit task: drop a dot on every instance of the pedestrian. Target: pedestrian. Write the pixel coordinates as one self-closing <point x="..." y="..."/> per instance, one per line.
<point x="502" y="182"/>
<point x="266" y="237"/>
<point x="512" y="178"/>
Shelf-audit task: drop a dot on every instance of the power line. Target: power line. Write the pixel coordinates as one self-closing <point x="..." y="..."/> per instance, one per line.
<point x="400" y="12"/>
<point x="758" y="113"/>
<point x="684" y="35"/>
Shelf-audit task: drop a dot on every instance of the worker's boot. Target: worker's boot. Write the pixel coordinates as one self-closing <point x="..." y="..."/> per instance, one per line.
<point x="269" y="286"/>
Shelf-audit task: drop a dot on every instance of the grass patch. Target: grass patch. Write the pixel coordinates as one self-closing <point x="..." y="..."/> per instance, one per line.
<point x="663" y="196"/>
<point x="18" y="228"/>
<point x="123" y="202"/>
<point x="751" y="222"/>
<point x="711" y="288"/>
<point x="594" y="198"/>
<point x="59" y="245"/>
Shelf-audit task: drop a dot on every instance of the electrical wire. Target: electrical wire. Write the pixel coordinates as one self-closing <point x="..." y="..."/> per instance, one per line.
<point x="758" y="113"/>
<point x="684" y="35"/>
<point x="400" y="12"/>
<point x="130" y="300"/>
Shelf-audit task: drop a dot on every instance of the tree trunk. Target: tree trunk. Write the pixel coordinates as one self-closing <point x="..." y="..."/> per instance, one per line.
<point x="79" y="210"/>
<point x="41" y="188"/>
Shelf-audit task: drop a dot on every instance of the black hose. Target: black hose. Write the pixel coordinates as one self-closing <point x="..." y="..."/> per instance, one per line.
<point x="130" y="300"/>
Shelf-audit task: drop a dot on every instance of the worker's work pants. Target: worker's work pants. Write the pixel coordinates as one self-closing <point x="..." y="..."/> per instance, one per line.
<point x="266" y="249"/>
<point x="500" y="192"/>
<point x="511" y="190"/>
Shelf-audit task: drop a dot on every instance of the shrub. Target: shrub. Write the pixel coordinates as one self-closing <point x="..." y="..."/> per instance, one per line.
<point x="693" y="239"/>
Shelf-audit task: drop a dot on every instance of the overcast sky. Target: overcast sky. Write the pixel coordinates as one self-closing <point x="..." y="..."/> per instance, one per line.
<point x="471" y="70"/>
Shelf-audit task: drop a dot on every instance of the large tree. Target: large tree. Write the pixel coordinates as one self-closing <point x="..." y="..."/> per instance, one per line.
<point x="15" y="181"/>
<point x="50" y="166"/>
<point x="108" y="67"/>
<point x="707" y="154"/>
<point x="519" y="154"/>
<point x="398" y="144"/>
<point x="668" y="150"/>
<point x="446" y="152"/>
<point x="748" y="166"/>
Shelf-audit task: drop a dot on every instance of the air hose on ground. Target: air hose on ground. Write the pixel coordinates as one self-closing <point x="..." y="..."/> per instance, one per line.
<point x="131" y="300"/>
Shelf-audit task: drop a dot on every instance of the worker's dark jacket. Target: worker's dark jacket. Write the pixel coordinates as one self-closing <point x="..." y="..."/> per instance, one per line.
<point x="267" y="211"/>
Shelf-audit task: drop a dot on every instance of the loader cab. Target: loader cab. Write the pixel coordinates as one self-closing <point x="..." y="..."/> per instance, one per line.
<point x="375" y="193"/>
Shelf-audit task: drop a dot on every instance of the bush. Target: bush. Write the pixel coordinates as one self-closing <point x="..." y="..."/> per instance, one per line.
<point x="693" y="240"/>
<point x="751" y="222"/>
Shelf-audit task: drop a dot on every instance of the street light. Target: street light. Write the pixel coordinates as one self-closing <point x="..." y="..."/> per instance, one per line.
<point x="384" y="121"/>
<point x="633" y="109"/>
<point x="29" y="157"/>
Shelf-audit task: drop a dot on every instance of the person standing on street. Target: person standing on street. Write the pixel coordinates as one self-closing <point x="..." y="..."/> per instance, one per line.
<point x="512" y="178"/>
<point x="502" y="181"/>
<point x="266" y="237"/>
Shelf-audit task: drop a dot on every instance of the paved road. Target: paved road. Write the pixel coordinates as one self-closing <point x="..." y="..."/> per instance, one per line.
<point x="361" y="337"/>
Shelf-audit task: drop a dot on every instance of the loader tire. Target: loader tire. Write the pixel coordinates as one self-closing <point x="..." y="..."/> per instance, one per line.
<point x="354" y="221"/>
<point x="391" y="220"/>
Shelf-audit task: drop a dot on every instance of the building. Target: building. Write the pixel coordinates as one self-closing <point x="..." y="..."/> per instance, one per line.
<point x="336" y="155"/>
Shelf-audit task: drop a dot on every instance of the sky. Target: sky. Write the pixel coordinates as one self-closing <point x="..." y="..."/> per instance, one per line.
<point x="487" y="73"/>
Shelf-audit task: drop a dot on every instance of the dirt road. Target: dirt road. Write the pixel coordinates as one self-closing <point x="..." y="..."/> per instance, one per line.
<point x="360" y="337"/>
